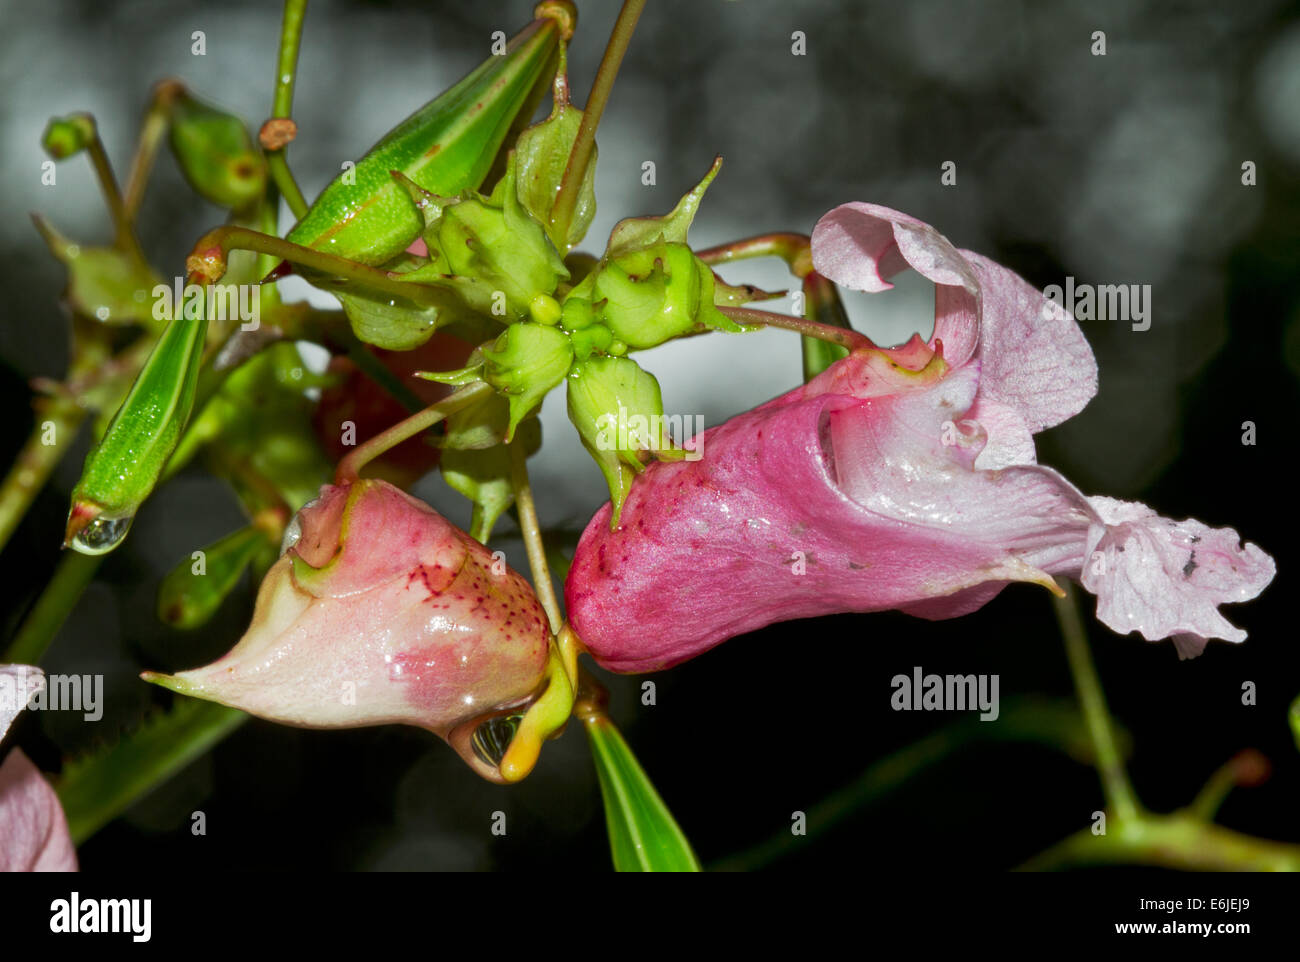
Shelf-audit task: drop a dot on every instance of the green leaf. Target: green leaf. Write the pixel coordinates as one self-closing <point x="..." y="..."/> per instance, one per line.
<point x="643" y="835"/>
<point x="96" y="788"/>
<point x="188" y="598"/>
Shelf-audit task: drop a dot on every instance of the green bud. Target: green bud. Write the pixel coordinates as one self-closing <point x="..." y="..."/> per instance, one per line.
<point x="618" y="410"/>
<point x="193" y="591"/>
<point x="216" y="153"/>
<point x="526" y="361"/>
<point x="651" y="295"/>
<point x="495" y="243"/>
<point x="65" y="136"/>
<point x="587" y="341"/>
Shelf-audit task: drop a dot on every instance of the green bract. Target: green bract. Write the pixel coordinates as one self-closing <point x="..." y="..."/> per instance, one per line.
<point x="618" y="410"/>
<point x="445" y="147"/>
<point x="216" y="153"/>
<point x="524" y="364"/>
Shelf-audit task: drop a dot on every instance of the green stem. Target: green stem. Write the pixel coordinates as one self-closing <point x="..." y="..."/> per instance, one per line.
<point x="349" y="468"/>
<point x="566" y="200"/>
<point x="532" y="532"/>
<point x="73" y="574"/>
<point x="1110" y="764"/>
<point x="1179" y="841"/>
<point x="794" y="249"/>
<point x="60" y="417"/>
<point x="374" y="369"/>
<point x="282" y="102"/>
<point x="801" y="325"/>
<point x="126" y="239"/>
<point x="155" y="124"/>
<point x="207" y="264"/>
<point x="282" y="177"/>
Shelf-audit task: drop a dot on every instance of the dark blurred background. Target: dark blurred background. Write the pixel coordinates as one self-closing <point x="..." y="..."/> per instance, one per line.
<point x="1124" y="169"/>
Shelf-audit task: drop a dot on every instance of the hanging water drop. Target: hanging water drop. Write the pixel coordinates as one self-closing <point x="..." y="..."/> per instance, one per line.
<point x="101" y="535"/>
<point x="492" y="738"/>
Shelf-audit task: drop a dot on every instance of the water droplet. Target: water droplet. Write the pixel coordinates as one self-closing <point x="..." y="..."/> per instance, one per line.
<point x="102" y="535"/>
<point x="493" y="737"/>
<point x="292" y="533"/>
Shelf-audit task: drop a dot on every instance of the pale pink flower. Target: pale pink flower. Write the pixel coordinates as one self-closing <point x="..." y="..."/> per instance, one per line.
<point x="382" y="611"/>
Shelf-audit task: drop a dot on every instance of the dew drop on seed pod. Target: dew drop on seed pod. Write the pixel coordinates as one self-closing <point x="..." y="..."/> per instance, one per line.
<point x="493" y="737"/>
<point x="101" y="535"/>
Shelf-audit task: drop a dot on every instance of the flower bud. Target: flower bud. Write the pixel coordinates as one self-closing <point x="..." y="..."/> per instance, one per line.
<point x="216" y="153"/>
<point x="495" y="243"/>
<point x="380" y="611"/>
<point x="653" y="294"/>
<point x="618" y="409"/>
<point x="526" y="361"/>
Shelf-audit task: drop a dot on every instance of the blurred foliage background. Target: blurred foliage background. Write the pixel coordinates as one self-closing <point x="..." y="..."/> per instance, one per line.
<point x="1123" y="169"/>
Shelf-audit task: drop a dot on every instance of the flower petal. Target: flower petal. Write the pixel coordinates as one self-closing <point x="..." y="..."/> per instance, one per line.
<point x="33" y="830"/>
<point x="1166" y="578"/>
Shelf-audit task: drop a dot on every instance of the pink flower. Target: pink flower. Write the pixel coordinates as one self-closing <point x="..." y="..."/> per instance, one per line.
<point x="382" y="611"/>
<point x="33" y="830"/>
<point x="901" y="478"/>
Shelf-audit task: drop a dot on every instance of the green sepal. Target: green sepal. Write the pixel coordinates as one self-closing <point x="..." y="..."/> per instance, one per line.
<point x="216" y="153"/>
<point x="495" y="245"/>
<point x="638" y="232"/>
<point x="188" y="598"/>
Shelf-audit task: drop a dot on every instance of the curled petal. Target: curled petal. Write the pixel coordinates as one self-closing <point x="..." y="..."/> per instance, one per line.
<point x="1035" y="358"/>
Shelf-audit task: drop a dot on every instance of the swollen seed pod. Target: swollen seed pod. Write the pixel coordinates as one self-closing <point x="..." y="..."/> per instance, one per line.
<point x="445" y="147"/>
<point x="124" y="467"/>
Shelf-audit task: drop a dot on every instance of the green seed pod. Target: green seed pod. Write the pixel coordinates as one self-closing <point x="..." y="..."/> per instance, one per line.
<point x="123" y="468"/>
<point x="526" y="361"/>
<point x="446" y="146"/>
<point x="192" y="592"/>
<point x="216" y="153"/>
<point x="618" y="410"/>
